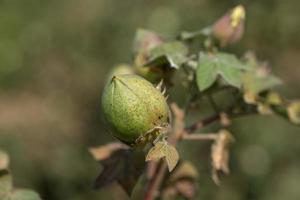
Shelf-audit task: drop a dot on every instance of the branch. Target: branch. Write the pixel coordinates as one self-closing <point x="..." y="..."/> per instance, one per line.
<point x="201" y="136"/>
<point x="156" y="181"/>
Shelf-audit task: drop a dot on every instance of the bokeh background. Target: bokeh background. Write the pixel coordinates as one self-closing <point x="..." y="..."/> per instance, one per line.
<point x="55" y="55"/>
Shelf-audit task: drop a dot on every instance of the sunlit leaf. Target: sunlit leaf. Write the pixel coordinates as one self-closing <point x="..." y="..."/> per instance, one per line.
<point x="211" y="66"/>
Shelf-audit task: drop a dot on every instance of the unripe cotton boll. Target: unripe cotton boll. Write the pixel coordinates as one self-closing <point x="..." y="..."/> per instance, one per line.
<point x="134" y="108"/>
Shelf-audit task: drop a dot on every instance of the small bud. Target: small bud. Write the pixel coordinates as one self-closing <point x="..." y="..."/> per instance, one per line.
<point x="134" y="108"/>
<point x="230" y="28"/>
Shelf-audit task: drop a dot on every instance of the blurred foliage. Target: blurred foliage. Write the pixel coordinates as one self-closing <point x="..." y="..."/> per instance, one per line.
<point x="55" y="55"/>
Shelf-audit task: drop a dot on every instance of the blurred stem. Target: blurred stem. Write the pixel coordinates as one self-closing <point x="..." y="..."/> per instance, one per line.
<point x="200" y="136"/>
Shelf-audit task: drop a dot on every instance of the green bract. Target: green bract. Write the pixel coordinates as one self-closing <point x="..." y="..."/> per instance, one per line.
<point x="133" y="107"/>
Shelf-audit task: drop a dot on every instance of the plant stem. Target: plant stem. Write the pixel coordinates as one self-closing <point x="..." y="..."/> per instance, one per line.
<point x="206" y="136"/>
<point x="156" y="181"/>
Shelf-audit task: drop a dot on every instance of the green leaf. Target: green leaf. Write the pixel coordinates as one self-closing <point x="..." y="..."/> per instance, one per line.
<point x="22" y="194"/>
<point x="210" y="66"/>
<point x="170" y="53"/>
<point x="162" y="149"/>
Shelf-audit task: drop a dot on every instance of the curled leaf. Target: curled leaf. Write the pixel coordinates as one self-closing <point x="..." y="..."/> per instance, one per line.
<point x="220" y="154"/>
<point x="163" y="149"/>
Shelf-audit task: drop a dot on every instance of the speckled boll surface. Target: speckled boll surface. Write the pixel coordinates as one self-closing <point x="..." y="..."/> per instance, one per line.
<point x="132" y="106"/>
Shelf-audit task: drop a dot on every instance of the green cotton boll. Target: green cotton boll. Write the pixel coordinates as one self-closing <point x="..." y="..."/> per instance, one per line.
<point x="133" y="107"/>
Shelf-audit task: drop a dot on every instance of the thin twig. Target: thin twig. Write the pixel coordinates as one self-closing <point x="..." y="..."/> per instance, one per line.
<point x="200" y="136"/>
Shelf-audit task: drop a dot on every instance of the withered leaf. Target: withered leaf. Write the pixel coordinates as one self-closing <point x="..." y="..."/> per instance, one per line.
<point x="105" y="151"/>
<point x="163" y="149"/>
<point x="220" y="154"/>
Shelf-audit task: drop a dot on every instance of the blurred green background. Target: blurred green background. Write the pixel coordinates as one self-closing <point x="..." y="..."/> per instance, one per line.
<point x="54" y="56"/>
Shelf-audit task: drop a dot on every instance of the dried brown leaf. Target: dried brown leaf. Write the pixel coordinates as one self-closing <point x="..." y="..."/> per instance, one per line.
<point x="105" y="151"/>
<point x="162" y="149"/>
<point x="220" y="154"/>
